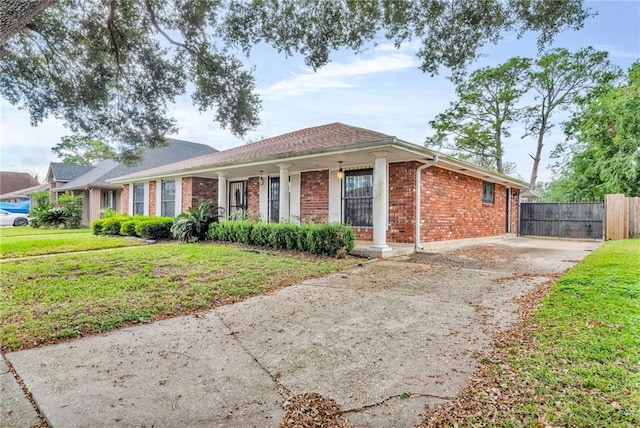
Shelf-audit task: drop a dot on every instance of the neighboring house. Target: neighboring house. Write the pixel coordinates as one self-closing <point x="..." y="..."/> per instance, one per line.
<point x="12" y="181"/>
<point x="60" y="174"/>
<point x="386" y="188"/>
<point x="98" y="193"/>
<point x="21" y="201"/>
<point x="529" y="196"/>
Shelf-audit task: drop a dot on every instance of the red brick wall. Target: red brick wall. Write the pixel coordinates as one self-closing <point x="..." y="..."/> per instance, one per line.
<point x="402" y="201"/>
<point x="314" y="196"/>
<point x="187" y="194"/>
<point x="253" y="196"/>
<point x="152" y="197"/>
<point x="515" y="207"/>
<point x="196" y="189"/>
<point x="125" y="198"/>
<point x="452" y="207"/>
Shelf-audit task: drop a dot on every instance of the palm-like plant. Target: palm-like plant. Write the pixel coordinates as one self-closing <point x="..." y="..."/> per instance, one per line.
<point x="193" y="225"/>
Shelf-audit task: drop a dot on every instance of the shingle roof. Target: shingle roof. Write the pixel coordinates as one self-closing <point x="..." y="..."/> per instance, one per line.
<point x="176" y="150"/>
<point x="306" y="140"/>
<point x="12" y="181"/>
<point x="67" y="171"/>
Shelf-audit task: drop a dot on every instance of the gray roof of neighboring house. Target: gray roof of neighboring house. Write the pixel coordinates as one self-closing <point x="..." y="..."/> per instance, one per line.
<point x="28" y="191"/>
<point x="11" y="181"/>
<point x="67" y="171"/>
<point x="175" y="151"/>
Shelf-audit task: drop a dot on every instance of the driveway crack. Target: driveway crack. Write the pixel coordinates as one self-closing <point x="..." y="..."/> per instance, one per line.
<point x="282" y="390"/>
<point x="402" y="396"/>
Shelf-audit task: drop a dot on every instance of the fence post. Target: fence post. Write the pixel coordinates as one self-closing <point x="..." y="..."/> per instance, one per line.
<point x="634" y="217"/>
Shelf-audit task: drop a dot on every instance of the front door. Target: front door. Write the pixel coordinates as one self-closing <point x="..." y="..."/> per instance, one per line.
<point x="237" y="199"/>
<point x="274" y="199"/>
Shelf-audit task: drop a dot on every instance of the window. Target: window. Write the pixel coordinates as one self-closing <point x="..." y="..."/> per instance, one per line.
<point x="168" y="199"/>
<point x="358" y="197"/>
<point x="488" y="192"/>
<point x="138" y="199"/>
<point x="274" y="199"/>
<point x="237" y="199"/>
<point x="108" y="199"/>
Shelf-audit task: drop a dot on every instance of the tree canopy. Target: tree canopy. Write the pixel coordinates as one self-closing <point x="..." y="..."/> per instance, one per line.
<point x="492" y="99"/>
<point x="606" y="144"/>
<point x="474" y="125"/>
<point x="110" y="69"/>
<point x="82" y="150"/>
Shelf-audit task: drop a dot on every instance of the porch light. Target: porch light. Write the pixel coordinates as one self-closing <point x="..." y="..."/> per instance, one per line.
<point x="340" y="171"/>
<point x="261" y="180"/>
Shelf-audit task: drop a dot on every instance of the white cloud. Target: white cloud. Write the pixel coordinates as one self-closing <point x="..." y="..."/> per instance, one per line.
<point x="337" y="75"/>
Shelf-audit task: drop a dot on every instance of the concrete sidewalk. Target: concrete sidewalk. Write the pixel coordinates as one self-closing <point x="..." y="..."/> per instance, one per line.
<point x="382" y="340"/>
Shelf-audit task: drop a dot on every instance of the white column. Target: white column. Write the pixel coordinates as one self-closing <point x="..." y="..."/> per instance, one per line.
<point x="222" y="194"/>
<point x="284" y="192"/>
<point x="380" y="189"/>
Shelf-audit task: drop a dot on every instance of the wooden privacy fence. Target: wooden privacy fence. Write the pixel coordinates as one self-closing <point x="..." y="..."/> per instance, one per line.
<point x="622" y="218"/>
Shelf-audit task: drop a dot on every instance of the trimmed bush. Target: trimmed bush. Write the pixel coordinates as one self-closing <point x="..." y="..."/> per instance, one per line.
<point x="112" y="225"/>
<point x="320" y="239"/>
<point x="154" y="228"/>
<point x="96" y="226"/>
<point x="128" y="228"/>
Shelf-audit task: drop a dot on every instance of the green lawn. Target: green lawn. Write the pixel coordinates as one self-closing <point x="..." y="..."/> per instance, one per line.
<point x="28" y="231"/>
<point x="46" y="299"/>
<point x="575" y="362"/>
<point x="27" y="241"/>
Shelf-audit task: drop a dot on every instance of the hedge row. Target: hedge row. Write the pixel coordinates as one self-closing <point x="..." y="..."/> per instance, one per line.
<point x="320" y="239"/>
<point x="145" y="227"/>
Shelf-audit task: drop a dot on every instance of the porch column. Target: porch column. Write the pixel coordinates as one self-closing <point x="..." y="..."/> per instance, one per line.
<point x="222" y="193"/>
<point x="380" y="190"/>
<point x="284" y="191"/>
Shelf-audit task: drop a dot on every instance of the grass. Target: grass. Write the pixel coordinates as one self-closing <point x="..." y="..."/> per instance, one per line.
<point x="29" y="231"/>
<point x="27" y="241"/>
<point x="574" y="362"/>
<point x="48" y="299"/>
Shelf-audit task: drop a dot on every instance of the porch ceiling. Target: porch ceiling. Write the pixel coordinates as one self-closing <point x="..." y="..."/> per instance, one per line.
<point x="321" y="161"/>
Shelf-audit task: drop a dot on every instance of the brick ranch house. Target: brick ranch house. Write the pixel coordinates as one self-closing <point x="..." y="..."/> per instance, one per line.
<point x="389" y="190"/>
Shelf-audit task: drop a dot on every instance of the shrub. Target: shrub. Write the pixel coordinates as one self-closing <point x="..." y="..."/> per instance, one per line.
<point x="128" y="227"/>
<point x="97" y="226"/>
<point x="154" y="228"/>
<point x="193" y="225"/>
<point x="66" y="213"/>
<point x="320" y="239"/>
<point x="71" y="207"/>
<point x="112" y="225"/>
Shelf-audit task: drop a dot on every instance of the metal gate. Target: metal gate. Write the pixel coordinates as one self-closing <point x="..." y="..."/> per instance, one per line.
<point x="562" y="220"/>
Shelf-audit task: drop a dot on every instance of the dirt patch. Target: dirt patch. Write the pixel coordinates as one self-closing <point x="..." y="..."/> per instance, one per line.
<point x="486" y="253"/>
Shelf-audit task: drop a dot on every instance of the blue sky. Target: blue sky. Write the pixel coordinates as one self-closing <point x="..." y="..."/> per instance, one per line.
<point x="379" y="89"/>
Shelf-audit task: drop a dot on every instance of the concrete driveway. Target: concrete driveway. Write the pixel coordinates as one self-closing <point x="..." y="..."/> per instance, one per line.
<point x="382" y="340"/>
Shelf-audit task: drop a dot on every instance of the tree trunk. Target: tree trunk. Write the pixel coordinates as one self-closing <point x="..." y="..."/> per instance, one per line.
<point x="536" y="159"/>
<point x="16" y="14"/>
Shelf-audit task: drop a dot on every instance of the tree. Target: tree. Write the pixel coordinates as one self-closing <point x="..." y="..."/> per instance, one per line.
<point x="110" y="68"/>
<point x="606" y="143"/>
<point x="560" y="79"/>
<point x="475" y="125"/>
<point x="82" y="150"/>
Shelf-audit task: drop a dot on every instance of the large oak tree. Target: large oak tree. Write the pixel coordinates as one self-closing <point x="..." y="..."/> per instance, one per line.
<point x="110" y="68"/>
